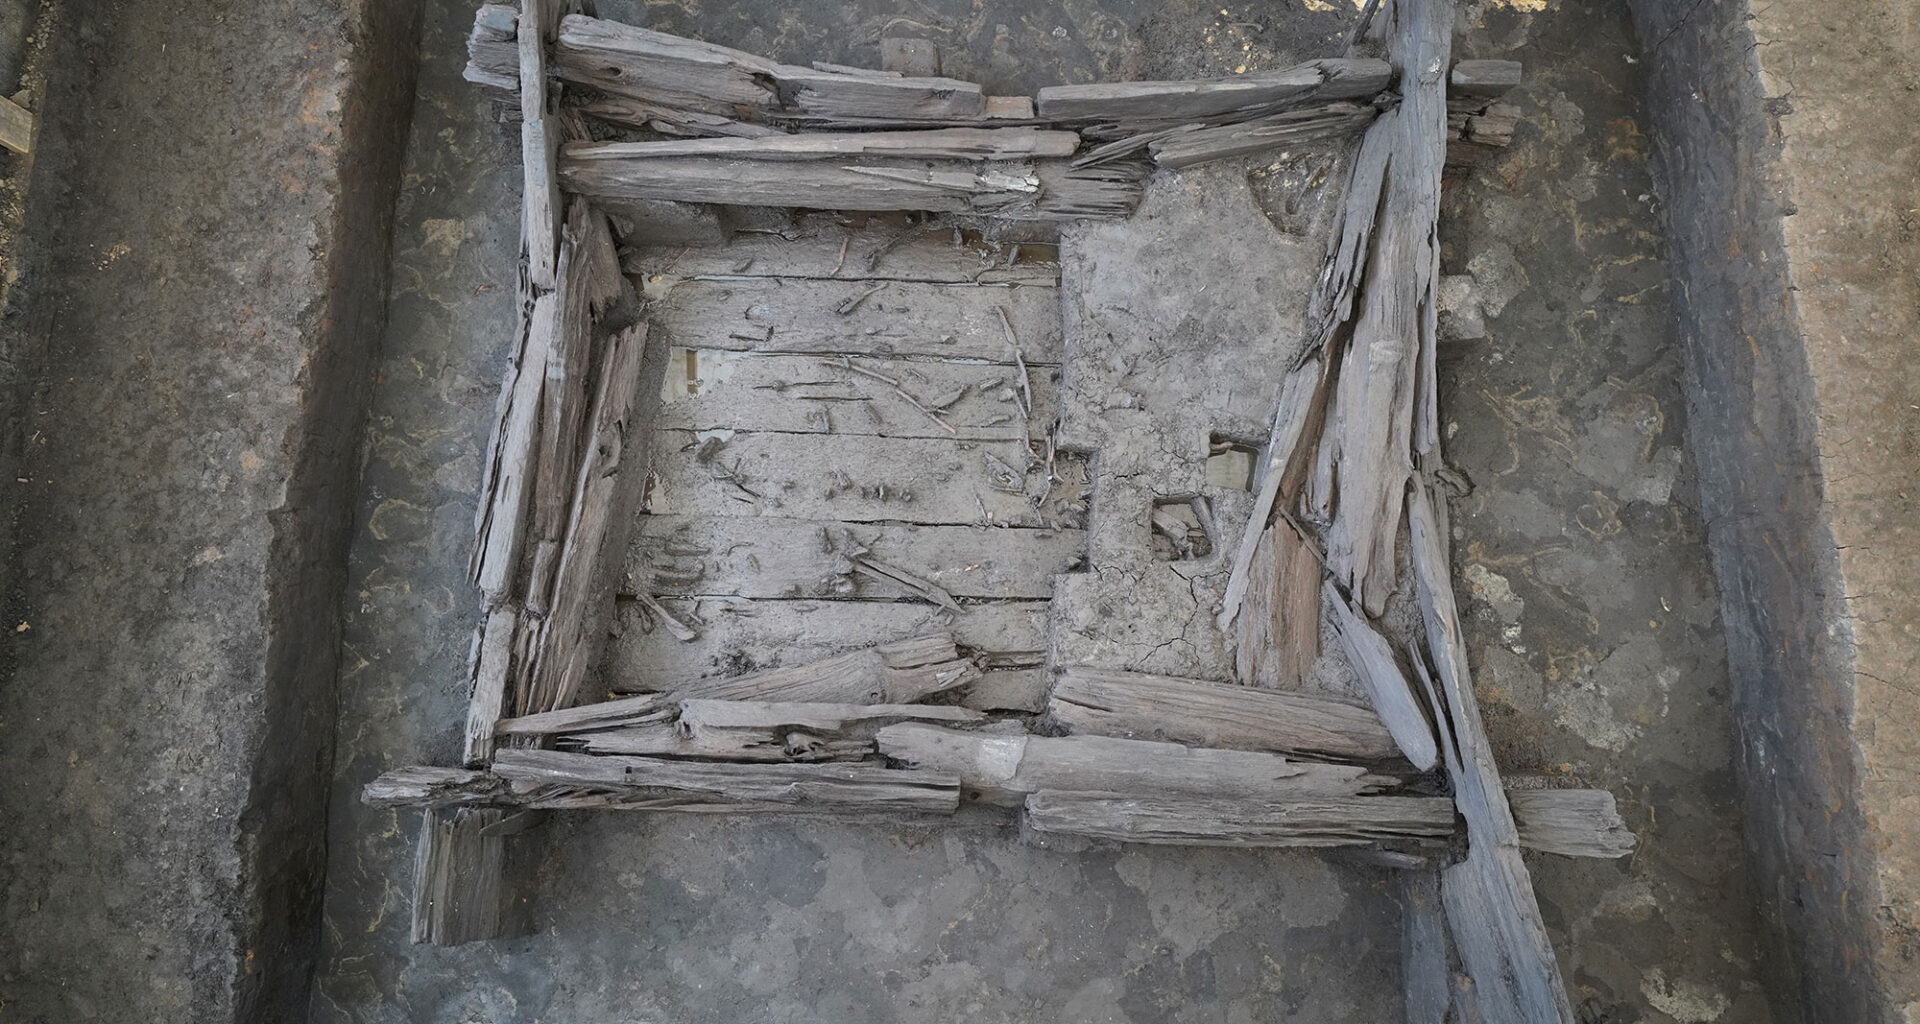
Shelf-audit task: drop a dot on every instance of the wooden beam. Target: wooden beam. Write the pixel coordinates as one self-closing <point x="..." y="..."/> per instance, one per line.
<point x="458" y="893"/>
<point x="551" y="779"/>
<point x="1142" y="706"/>
<point x="1258" y="92"/>
<point x="16" y="127"/>
<point x="942" y="144"/>
<point x="1404" y="713"/>
<point x="770" y="731"/>
<point x="1190" y="821"/>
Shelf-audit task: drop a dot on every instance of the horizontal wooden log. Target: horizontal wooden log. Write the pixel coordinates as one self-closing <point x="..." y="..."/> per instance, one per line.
<point x="736" y="636"/>
<point x="546" y="778"/>
<point x="893" y="318"/>
<point x="1290" y="128"/>
<point x="595" y="715"/>
<point x="423" y="786"/>
<point x="1484" y="77"/>
<point x="1004" y="768"/>
<point x="1013" y="189"/>
<point x="811" y="93"/>
<point x="1318" y="80"/>
<point x="1570" y="822"/>
<point x="827" y="251"/>
<point x="942" y="144"/>
<point x="860" y="677"/>
<point x="661" y="68"/>
<point x="796" y="558"/>
<point x="1142" y="706"/>
<point x="797" y="394"/>
<point x="1294" y="822"/>
<point x="767" y="731"/>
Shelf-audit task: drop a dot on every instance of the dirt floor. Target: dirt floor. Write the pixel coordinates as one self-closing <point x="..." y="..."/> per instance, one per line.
<point x="1591" y="609"/>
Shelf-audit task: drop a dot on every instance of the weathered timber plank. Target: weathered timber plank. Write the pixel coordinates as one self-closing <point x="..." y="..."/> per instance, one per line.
<point x="1039" y="189"/>
<point x="540" y="197"/>
<point x="663" y="69"/>
<point x="16" y="126"/>
<point x="1426" y="974"/>
<point x="1297" y="391"/>
<point x="491" y="670"/>
<point x="532" y="30"/>
<point x="737" y="635"/>
<point x="1405" y="715"/>
<point x="797" y="394"/>
<point x="1148" y="101"/>
<point x="830" y="251"/>
<point x="606" y="714"/>
<point x="493" y="58"/>
<point x="1195" y="821"/>
<point x="421" y="786"/>
<point x="1003" y="769"/>
<point x="1484" y="77"/>
<point x="502" y="529"/>
<point x="850" y="479"/>
<point x="1502" y="945"/>
<point x="563" y="407"/>
<point x="899" y="318"/>
<point x="1570" y="822"/>
<point x="457" y="887"/>
<point x="1289" y="128"/>
<point x="795" y="558"/>
<point x="640" y="783"/>
<point x="567" y="643"/>
<point x="1143" y="706"/>
<point x="1278" y="636"/>
<point x="766" y="731"/>
<point x="812" y="93"/>
<point x="857" y="677"/>
<point x="938" y="144"/>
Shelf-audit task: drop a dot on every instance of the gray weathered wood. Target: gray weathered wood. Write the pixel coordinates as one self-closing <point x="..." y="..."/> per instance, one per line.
<point x="665" y="69"/>
<point x="852" y="479"/>
<point x="942" y="144"/>
<point x="563" y="403"/>
<point x="457" y="889"/>
<point x="1570" y="822"/>
<point x="827" y="94"/>
<point x="1288" y="128"/>
<point x="1143" y="706"/>
<point x="1403" y="712"/>
<point x="901" y="672"/>
<point x="567" y="643"/>
<point x="1040" y="189"/>
<point x="640" y="783"/>
<point x="737" y="635"/>
<point x="797" y="394"/>
<point x="1484" y="77"/>
<point x="765" y="731"/>
<point x="502" y="529"/>
<point x="673" y="121"/>
<point x="531" y="30"/>
<point x="608" y="714"/>
<point x="1277" y="640"/>
<point x="1259" y="91"/>
<point x="901" y="318"/>
<point x="493" y="57"/>
<point x="1427" y="977"/>
<point x="771" y="557"/>
<point x="540" y="196"/>
<point x="16" y="126"/>
<point x="827" y="250"/>
<point x="1290" y="419"/>
<point x="1003" y="769"/>
<point x="420" y="786"/>
<point x="491" y="671"/>
<point x="1194" y="821"/>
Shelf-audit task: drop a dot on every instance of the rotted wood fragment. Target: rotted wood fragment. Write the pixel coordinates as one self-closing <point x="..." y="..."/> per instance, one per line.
<point x="1570" y="822"/>
<point x="1185" y="148"/>
<point x="1413" y="821"/>
<point x="1143" y="706"/>
<point x="1243" y="95"/>
<point x="418" y="786"/>
<point x="501" y="530"/>
<point x="901" y="672"/>
<point x="1404" y="713"/>
<point x="1483" y="77"/>
<point x="555" y="779"/>
<point x="943" y="144"/>
<point x="491" y="671"/>
<point x="769" y="731"/>
<point x="608" y="714"/>
<point x="16" y="126"/>
<point x="458" y="892"/>
<point x="1003" y="768"/>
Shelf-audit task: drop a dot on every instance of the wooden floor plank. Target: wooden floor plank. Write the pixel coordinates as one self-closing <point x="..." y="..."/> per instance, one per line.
<point x="880" y="318"/>
<point x="831" y="251"/>
<point x="736" y="636"/>
<point x="807" y="394"/>
<point x="852" y="479"/>
<point x="797" y="558"/>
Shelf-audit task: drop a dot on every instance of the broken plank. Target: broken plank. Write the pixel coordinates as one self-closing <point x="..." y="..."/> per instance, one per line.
<point x="458" y="875"/>
<point x="1570" y="822"/>
<point x="493" y="57"/>
<point x="938" y="144"/>
<point x="1297" y="391"/>
<point x="491" y="670"/>
<point x="1277" y="640"/>
<point x="422" y="786"/>
<point x="1484" y="77"/>
<point x="901" y="318"/>
<point x="1003" y="769"/>
<point x="737" y="636"/>
<point x="907" y="254"/>
<point x="640" y="783"/>
<point x="563" y="407"/>
<point x="769" y="731"/>
<point x="1289" y="128"/>
<point x="607" y="714"/>
<point x="661" y="68"/>
<point x="1306" y="821"/>
<point x="1143" y="706"/>
<point x="1218" y="97"/>
<point x="795" y="558"/>
<point x="886" y="674"/>
<point x="851" y="479"/>
<point x="811" y="93"/>
<point x="540" y="197"/>
<point x="503" y="529"/>
<point x="1404" y="713"/>
<point x="16" y="126"/>
<point x="800" y="394"/>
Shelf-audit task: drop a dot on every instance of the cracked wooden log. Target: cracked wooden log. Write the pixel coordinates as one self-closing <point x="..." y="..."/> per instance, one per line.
<point x="500" y="527"/>
<point x="1003" y="768"/>
<point x="609" y="714"/>
<point x="1570" y="822"/>
<point x="1138" y="705"/>
<point x="1404" y="821"/>
<point x="902" y="672"/>
<point x="1187" y="147"/>
<point x="554" y="780"/>
<point x="941" y="144"/>
<point x="729" y="730"/>
<point x="458" y="874"/>
<point x="1138" y="103"/>
<point x="1404" y="712"/>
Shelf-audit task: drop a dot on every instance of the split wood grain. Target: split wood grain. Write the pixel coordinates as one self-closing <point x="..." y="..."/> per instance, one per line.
<point x="1004" y="769"/>
<point x="492" y="668"/>
<point x="1484" y="77"/>
<point x="1277" y="639"/>
<point x="458" y="892"/>
<point x="1404" y="713"/>
<point x="421" y="786"/>
<point x="1294" y="822"/>
<point x="16" y="127"/>
<point x="900" y="319"/>
<point x="1143" y="706"/>
<point x="1297" y="390"/>
<point x="771" y="557"/>
<point x="641" y="783"/>
<point x="941" y="144"/>
<point x="502" y="529"/>
<point x="664" y="69"/>
<point x="825" y="94"/>
<point x="563" y="401"/>
<point x="770" y="731"/>
<point x="1190" y="100"/>
<point x="540" y="196"/>
<point x="829" y="252"/>
<point x="797" y="394"/>
<point x="607" y="714"/>
<point x="1289" y="128"/>
<point x="738" y="636"/>
<point x="897" y="673"/>
<point x="1570" y="822"/>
